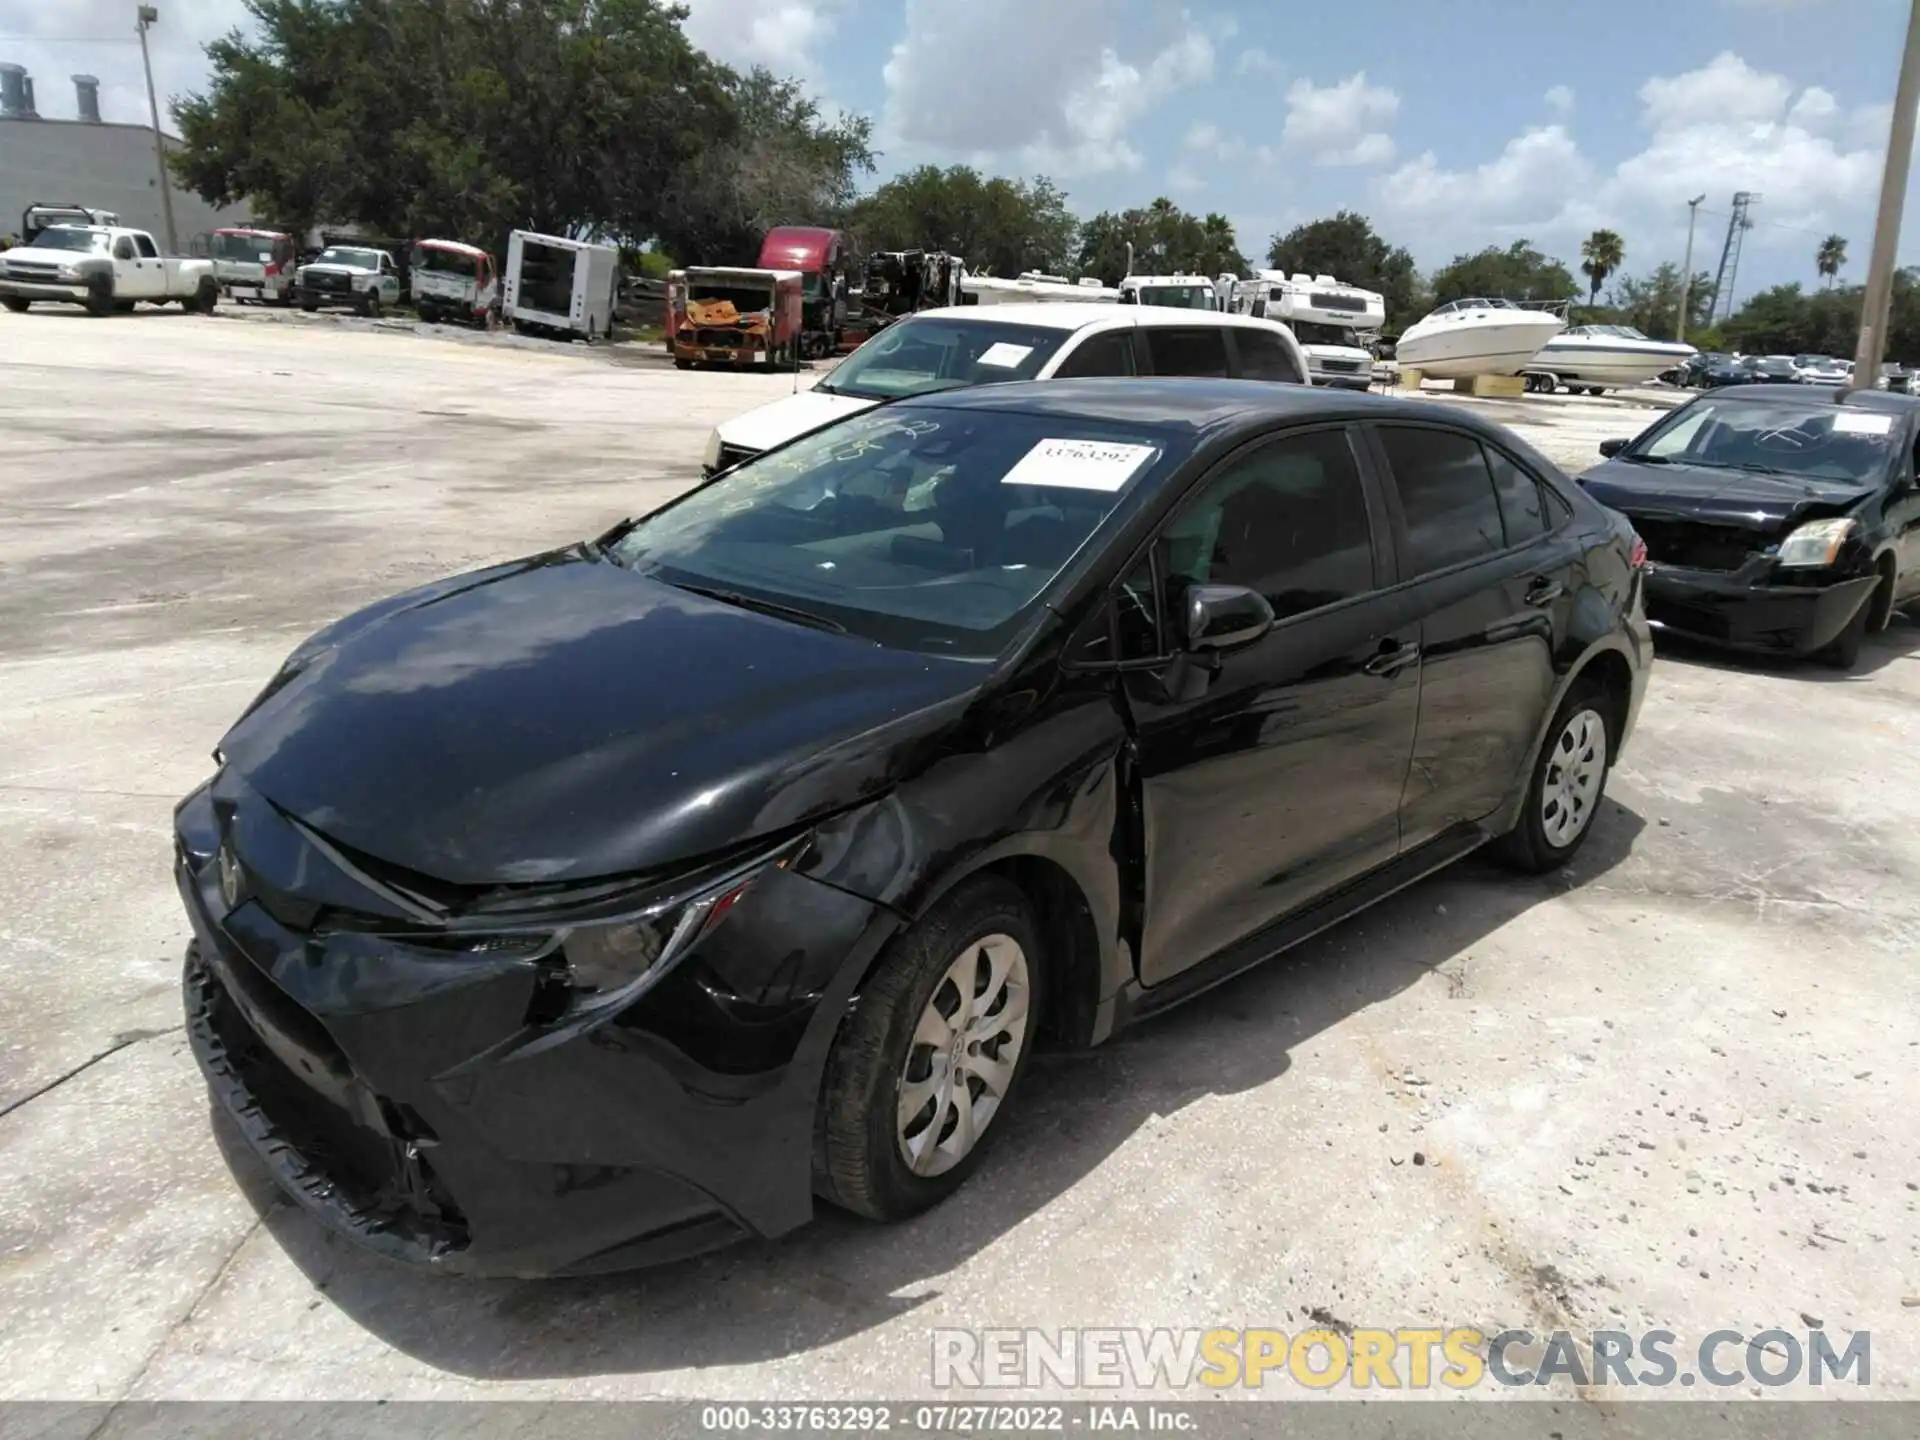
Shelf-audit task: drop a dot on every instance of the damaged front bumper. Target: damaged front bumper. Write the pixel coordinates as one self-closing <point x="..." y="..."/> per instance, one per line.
<point x="1727" y="609"/>
<point x="427" y="1100"/>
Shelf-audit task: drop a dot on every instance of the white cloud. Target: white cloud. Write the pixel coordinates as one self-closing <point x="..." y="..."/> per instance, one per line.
<point x="1255" y="61"/>
<point x="1560" y="100"/>
<point x="1335" y="124"/>
<point x="1722" y="127"/>
<point x="1208" y="139"/>
<point x="783" y="35"/>
<point x="1184" y="177"/>
<point x="1064" y="100"/>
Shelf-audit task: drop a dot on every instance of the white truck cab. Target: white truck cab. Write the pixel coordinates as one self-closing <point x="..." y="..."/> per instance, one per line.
<point x="1327" y="317"/>
<point x="104" y="267"/>
<point x="357" y="275"/>
<point x="1183" y="292"/>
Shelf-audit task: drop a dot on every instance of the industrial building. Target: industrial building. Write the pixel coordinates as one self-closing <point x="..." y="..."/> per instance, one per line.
<point x="82" y="159"/>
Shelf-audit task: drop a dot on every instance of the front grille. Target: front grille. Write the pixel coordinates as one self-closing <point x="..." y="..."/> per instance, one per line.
<point x="1344" y="367"/>
<point x="1694" y="546"/>
<point x="731" y="455"/>
<point x="30" y="270"/>
<point x="330" y="282"/>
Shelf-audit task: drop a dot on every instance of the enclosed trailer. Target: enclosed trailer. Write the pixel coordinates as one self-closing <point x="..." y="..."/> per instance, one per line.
<point x="562" y="287"/>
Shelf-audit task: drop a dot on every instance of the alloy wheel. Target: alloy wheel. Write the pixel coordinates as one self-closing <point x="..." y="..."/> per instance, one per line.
<point x="1576" y="765"/>
<point x="965" y="1048"/>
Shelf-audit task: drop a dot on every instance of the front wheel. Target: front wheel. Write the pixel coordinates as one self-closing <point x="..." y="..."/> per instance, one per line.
<point x="931" y="1054"/>
<point x="370" y="305"/>
<point x="1569" y="777"/>
<point x="15" y="303"/>
<point x="100" y="295"/>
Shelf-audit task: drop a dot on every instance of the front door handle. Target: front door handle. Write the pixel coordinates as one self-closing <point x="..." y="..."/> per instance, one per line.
<point x="1394" y="656"/>
<point x="1544" y="591"/>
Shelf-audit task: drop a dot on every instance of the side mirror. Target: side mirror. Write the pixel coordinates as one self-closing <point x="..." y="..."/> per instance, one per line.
<point x="1224" y="617"/>
<point x="1610" y="448"/>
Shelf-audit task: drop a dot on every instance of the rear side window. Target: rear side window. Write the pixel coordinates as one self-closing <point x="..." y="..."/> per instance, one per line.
<point x="1109" y="353"/>
<point x="1288" y="520"/>
<point x="1183" y="351"/>
<point x="1263" y="356"/>
<point x="1446" y="495"/>
<point x="1522" y="507"/>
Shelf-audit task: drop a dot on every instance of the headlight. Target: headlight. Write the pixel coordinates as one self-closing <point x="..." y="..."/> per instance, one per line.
<point x="1816" y="543"/>
<point x="608" y="964"/>
<point x="710" y="457"/>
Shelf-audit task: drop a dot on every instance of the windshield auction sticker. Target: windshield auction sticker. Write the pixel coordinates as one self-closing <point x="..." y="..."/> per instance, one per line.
<point x="1079" y="464"/>
<point x="1852" y="422"/>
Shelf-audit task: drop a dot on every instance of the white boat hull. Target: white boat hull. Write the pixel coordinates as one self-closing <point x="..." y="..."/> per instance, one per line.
<point x="1477" y="346"/>
<point x="1589" y="364"/>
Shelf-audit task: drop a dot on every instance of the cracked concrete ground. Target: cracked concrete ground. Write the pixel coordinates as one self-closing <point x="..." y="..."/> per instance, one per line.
<point x="1672" y="1087"/>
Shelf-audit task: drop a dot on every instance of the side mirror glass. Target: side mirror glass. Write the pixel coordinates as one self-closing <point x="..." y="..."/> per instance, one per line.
<point x="1224" y="617"/>
<point x="1610" y="448"/>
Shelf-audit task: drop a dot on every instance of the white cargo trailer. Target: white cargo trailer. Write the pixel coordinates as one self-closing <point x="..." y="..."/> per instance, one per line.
<point x="557" y="286"/>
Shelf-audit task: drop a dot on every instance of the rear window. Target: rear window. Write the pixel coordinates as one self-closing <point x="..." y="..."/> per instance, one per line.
<point x="921" y="355"/>
<point x="1181" y="351"/>
<point x="1264" y="356"/>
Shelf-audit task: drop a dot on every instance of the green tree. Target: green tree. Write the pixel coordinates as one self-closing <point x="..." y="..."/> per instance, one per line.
<point x="463" y="118"/>
<point x="1166" y="240"/>
<point x="1831" y="255"/>
<point x="1346" y="247"/>
<point x="782" y="164"/>
<point x="1518" y="272"/>
<point x="1651" y="304"/>
<point x="1601" y="253"/>
<point x="998" y="226"/>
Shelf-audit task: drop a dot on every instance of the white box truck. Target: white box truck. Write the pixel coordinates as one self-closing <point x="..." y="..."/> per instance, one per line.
<point x="560" y="287"/>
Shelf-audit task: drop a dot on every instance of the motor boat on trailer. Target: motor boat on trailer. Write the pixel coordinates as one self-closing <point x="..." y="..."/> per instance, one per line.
<point x="1605" y="357"/>
<point x="1476" y="337"/>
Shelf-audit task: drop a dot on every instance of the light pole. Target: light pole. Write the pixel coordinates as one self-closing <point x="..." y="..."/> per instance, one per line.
<point x="1886" y="228"/>
<point x="144" y="17"/>
<point x="1686" y="266"/>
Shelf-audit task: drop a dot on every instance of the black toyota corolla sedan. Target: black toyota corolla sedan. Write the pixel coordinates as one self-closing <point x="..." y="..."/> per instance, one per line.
<point x="601" y="907"/>
<point x="1779" y="519"/>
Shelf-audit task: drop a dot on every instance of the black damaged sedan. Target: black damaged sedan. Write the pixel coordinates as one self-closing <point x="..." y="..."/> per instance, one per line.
<point x="602" y="907"/>
<point x="1776" y="519"/>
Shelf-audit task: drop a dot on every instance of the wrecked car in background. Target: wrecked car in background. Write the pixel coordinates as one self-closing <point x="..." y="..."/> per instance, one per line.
<point x="734" y="315"/>
<point x="452" y="280"/>
<point x="1781" y="519"/>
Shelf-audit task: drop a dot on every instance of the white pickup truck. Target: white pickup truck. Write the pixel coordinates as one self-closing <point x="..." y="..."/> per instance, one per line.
<point x="104" y="267"/>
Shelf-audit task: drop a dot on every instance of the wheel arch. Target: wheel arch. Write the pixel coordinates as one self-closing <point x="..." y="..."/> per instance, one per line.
<point x="1611" y="662"/>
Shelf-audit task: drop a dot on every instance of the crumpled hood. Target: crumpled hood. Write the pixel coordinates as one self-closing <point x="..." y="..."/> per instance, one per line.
<point x="797" y="414"/>
<point x="564" y="718"/>
<point x="1749" y="499"/>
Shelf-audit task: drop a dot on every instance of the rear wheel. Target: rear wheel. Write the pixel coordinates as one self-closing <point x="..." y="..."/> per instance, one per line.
<point x="1569" y="778"/>
<point x="204" y="298"/>
<point x="931" y="1054"/>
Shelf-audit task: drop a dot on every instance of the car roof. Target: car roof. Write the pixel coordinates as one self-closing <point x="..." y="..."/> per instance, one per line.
<point x="1078" y="314"/>
<point x="1815" y="395"/>
<point x="1169" y="402"/>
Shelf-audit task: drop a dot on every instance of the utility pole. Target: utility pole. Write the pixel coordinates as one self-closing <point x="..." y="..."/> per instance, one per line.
<point x="1686" y="266"/>
<point x="1878" y="299"/>
<point x="144" y="17"/>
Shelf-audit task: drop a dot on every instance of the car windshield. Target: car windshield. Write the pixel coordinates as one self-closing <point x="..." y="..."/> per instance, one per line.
<point x="1312" y="332"/>
<point x="437" y="261"/>
<point x="924" y="354"/>
<point x="66" y="237"/>
<point x="1781" y="437"/>
<point x="255" y="249"/>
<point x="355" y="259"/>
<point x="1181" y="297"/>
<point x="917" y="527"/>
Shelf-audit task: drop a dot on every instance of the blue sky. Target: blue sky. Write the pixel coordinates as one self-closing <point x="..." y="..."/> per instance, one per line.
<point x="1452" y="124"/>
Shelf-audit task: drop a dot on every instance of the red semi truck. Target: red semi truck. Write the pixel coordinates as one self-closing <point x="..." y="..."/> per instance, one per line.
<point x="824" y="258"/>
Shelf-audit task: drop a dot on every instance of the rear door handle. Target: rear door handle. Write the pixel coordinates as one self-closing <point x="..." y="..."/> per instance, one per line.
<point x="1544" y="591"/>
<point x="1394" y="657"/>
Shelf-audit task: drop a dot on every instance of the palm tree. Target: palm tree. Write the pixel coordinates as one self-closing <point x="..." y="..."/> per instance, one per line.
<point x="1600" y="255"/>
<point x="1831" y="255"/>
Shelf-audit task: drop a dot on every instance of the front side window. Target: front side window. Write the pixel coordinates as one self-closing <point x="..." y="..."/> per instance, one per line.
<point x="1264" y="356"/>
<point x="1288" y="519"/>
<point x="146" y="247"/>
<point x="923" y="354"/>
<point x="926" y="529"/>
<point x="1177" y="351"/>
<point x="1446" y="496"/>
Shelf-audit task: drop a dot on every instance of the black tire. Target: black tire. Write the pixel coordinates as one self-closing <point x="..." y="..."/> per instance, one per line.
<point x="370" y="305"/>
<point x="1528" y="846"/>
<point x="100" y="295"/>
<point x="204" y="299"/>
<point x="15" y="303"/>
<point x="428" y="314"/>
<point x="123" y="307"/>
<point x="1843" y="652"/>
<point x="309" y="306"/>
<point x="858" y="1161"/>
<point x="681" y="363"/>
